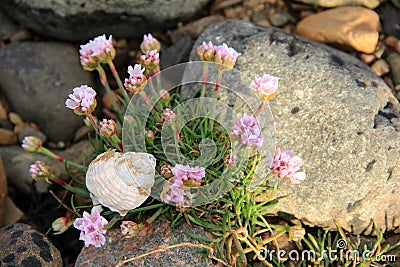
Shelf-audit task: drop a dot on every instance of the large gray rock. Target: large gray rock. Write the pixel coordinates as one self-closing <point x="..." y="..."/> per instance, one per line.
<point x="159" y="234"/>
<point x="36" y="79"/>
<point x="337" y="115"/>
<point x="82" y="20"/>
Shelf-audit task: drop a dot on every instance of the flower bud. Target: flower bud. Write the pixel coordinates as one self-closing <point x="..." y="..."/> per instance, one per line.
<point x="61" y="225"/>
<point x="149" y="43"/>
<point x="108" y="127"/>
<point x="31" y="143"/>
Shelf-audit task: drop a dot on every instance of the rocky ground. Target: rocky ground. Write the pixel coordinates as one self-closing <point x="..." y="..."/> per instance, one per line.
<point x="345" y="111"/>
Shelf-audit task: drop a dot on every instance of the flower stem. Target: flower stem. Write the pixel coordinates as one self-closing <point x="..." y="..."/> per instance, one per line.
<point x="50" y="154"/>
<point x="219" y="78"/>
<point x="118" y="79"/>
<point x="157" y="73"/>
<point x="70" y="188"/>
<point x="260" y="108"/>
<point x="104" y="82"/>
<point x="204" y="81"/>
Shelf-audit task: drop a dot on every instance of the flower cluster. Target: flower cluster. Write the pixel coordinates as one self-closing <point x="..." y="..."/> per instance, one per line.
<point x="92" y="227"/>
<point x="150" y="60"/>
<point x="249" y="130"/>
<point x="136" y="80"/>
<point x="183" y="175"/>
<point x="225" y="56"/>
<point x="150" y="43"/>
<point x="285" y="164"/>
<point x="82" y="101"/>
<point x="168" y="116"/>
<point x="39" y="170"/>
<point x="220" y="54"/>
<point x="187" y="173"/>
<point x="97" y="51"/>
<point x="265" y="86"/>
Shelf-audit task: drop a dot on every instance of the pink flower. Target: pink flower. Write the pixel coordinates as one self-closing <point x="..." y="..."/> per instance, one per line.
<point x="168" y="116"/>
<point x="136" y="80"/>
<point x="92" y="227"/>
<point x="184" y="173"/>
<point x="286" y="165"/>
<point x="96" y="239"/>
<point x="31" y="143"/>
<point x="174" y="193"/>
<point x="108" y="127"/>
<point x="39" y="170"/>
<point x="206" y="52"/>
<point x="265" y="86"/>
<point x="97" y="51"/>
<point x="82" y="101"/>
<point x="249" y="130"/>
<point x="225" y="56"/>
<point x="150" y="60"/>
<point x="149" y="43"/>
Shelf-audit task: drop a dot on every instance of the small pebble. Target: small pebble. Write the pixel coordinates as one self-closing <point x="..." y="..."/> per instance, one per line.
<point x="279" y="20"/>
<point x="264" y="23"/>
<point x="380" y="67"/>
<point x="392" y="42"/>
<point x="14" y="118"/>
<point x="389" y="82"/>
<point x="367" y="58"/>
<point x="393" y="59"/>
<point x="258" y="16"/>
<point x="379" y="50"/>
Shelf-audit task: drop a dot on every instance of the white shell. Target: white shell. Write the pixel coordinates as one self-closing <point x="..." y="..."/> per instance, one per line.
<point x="121" y="181"/>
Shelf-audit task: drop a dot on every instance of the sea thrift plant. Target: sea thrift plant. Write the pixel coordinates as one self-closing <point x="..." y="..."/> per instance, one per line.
<point x="150" y="43"/>
<point x="137" y="80"/>
<point x="265" y="86"/>
<point x="249" y="131"/>
<point x="82" y="101"/>
<point x="286" y="165"/>
<point x="97" y="51"/>
<point x="92" y="227"/>
<point x="189" y="170"/>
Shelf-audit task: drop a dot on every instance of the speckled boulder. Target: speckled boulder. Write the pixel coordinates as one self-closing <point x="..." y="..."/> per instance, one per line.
<point x="23" y="246"/>
<point x="337" y="115"/>
<point x="82" y="20"/>
<point x="158" y="234"/>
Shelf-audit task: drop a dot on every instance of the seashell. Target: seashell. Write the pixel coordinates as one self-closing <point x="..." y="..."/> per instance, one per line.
<point x="121" y="181"/>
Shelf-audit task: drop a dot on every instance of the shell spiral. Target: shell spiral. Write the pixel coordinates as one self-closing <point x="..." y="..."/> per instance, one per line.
<point x="121" y="181"/>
